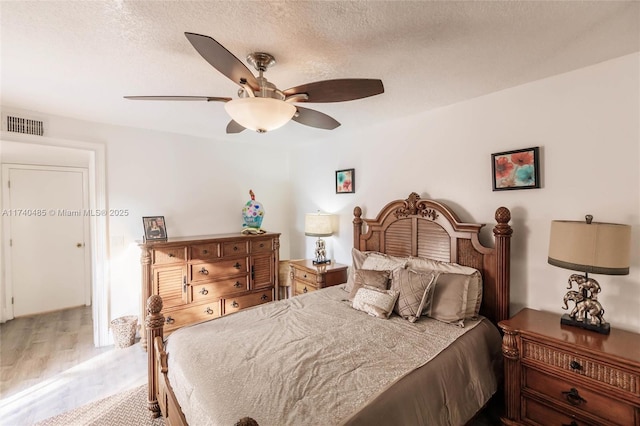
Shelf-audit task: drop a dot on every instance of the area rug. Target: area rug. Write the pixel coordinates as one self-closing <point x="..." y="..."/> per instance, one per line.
<point x="124" y="409"/>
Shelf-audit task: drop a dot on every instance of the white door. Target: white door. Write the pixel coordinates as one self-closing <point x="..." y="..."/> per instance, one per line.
<point x="48" y="232"/>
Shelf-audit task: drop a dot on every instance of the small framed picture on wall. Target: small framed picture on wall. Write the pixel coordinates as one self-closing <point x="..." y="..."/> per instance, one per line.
<point x="154" y="228"/>
<point x="345" y="181"/>
<point x="519" y="169"/>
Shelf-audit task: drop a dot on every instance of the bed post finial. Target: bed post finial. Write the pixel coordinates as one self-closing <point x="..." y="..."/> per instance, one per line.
<point x="357" y="226"/>
<point x="155" y="324"/>
<point x="502" y="233"/>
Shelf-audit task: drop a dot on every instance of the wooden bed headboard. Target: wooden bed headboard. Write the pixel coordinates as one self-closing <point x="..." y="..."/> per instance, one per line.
<point x="427" y="228"/>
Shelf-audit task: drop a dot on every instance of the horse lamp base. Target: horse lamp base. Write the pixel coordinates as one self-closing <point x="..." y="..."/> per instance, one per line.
<point x="603" y="328"/>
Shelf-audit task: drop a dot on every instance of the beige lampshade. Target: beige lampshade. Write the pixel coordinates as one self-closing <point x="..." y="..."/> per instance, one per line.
<point x="599" y="248"/>
<point x="260" y="114"/>
<point x="317" y="225"/>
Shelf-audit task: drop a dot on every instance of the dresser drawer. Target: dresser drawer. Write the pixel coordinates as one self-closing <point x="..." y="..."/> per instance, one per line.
<point x="205" y="251"/>
<point x="217" y="289"/>
<point x="237" y="248"/>
<point x="193" y="314"/>
<point x="301" y="287"/>
<point x="578" y="397"/>
<point x="168" y="255"/>
<point x="241" y="302"/>
<point x="199" y="272"/>
<point x="534" y="412"/>
<point x="627" y="381"/>
<point x="261" y="246"/>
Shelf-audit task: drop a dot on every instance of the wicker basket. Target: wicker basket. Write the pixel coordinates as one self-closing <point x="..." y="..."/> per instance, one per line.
<point x="124" y="331"/>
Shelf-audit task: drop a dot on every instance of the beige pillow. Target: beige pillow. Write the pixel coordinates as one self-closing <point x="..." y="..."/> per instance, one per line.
<point x="357" y="258"/>
<point x="366" y="277"/>
<point x="449" y="301"/>
<point x="375" y="302"/>
<point x="415" y="292"/>
<point x="383" y="262"/>
<point x="474" y="294"/>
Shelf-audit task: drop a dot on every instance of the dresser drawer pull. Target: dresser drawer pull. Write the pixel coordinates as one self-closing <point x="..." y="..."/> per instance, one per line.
<point x="237" y="284"/>
<point x="235" y="304"/>
<point x="205" y="251"/>
<point x="305" y="275"/>
<point x="261" y="245"/>
<point x="169" y="320"/>
<point x="203" y="271"/>
<point x="208" y="311"/>
<point x="304" y="290"/>
<point x="573" y="423"/>
<point x="264" y="297"/>
<point x="237" y="265"/>
<point x="575" y="365"/>
<point x="235" y="248"/>
<point x="573" y="397"/>
<point x="204" y="291"/>
<point x="172" y="255"/>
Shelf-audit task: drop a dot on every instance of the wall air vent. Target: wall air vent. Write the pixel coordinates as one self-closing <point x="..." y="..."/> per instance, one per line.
<point x="25" y="125"/>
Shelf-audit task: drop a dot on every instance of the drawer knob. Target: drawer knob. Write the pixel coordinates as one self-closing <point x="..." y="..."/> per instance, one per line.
<point x="205" y="251"/>
<point x="172" y="255"/>
<point x="264" y="297"/>
<point x="573" y="397"/>
<point x="169" y="320"/>
<point x="305" y="275"/>
<point x="237" y="265"/>
<point x="208" y="311"/>
<point x="261" y="245"/>
<point x="237" y="284"/>
<point x="304" y="290"/>
<point x="235" y="248"/>
<point x="575" y="365"/>
<point x="235" y="304"/>
<point x="204" y="291"/>
<point x="203" y="271"/>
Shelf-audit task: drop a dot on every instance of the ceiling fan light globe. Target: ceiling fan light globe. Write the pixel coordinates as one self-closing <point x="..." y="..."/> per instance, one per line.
<point x="260" y="114"/>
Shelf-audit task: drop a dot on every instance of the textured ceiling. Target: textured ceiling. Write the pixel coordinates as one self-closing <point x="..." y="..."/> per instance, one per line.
<point x="79" y="58"/>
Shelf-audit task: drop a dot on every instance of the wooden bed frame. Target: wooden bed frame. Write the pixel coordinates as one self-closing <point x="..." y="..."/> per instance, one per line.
<point x="411" y="227"/>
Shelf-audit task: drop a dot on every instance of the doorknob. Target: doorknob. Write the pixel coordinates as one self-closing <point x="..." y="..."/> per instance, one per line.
<point x="79" y="245"/>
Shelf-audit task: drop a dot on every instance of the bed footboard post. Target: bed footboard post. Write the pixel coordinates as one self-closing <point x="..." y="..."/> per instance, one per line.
<point x="502" y="232"/>
<point x="155" y="325"/>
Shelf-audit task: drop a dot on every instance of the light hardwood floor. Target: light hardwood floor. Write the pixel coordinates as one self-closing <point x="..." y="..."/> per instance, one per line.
<point x="48" y="365"/>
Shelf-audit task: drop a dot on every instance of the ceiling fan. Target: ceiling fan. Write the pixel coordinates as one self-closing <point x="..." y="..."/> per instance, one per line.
<point x="260" y="105"/>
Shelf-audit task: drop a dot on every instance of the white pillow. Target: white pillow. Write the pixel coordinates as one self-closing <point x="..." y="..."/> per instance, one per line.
<point x="375" y="302"/>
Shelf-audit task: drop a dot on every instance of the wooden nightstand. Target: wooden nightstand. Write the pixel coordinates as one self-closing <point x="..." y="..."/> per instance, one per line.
<point x="306" y="277"/>
<point x="562" y="375"/>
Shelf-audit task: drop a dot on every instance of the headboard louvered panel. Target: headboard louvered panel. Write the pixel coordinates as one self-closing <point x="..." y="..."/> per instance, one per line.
<point x="427" y="228"/>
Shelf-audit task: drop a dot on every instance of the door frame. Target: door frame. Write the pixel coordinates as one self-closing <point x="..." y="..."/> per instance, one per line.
<point x="98" y="229"/>
<point x="6" y="203"/>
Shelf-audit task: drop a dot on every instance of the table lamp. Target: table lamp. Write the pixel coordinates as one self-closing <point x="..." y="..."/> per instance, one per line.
<point x="318" y="225"/>
<point x="589" y="247"/>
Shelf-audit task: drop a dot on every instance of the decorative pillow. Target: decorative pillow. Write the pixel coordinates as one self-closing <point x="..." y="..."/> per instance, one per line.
<point x="383" y="262"/>
<point x="474" y="294"/>
<point x="370" y="278"/>
<point x="415" y="292"/>
<point x="449" y="301"/>
<point x="375" y="302"/>
<point x="357" y="258"/>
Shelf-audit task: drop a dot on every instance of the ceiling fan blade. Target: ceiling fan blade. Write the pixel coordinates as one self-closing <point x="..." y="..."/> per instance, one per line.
<point x="313" y="118"/>
<point x="234" y="127"/>
<point x="340" y="90"/>
<point x="222" y="60"/>
<point x="178" y="98"/>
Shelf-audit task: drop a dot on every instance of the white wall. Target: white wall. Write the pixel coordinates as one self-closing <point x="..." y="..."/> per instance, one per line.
<point x="198" y="185"/>
<point x="587" y="124"/>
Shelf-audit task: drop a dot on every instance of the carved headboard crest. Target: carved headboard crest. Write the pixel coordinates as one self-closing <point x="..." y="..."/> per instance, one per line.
<point x="413" y="206"/>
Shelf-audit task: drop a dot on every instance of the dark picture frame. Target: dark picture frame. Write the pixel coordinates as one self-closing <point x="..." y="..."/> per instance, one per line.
<point x="155" y="228"/>
<point x="346" y="181"/>
<point x="517" y="169"/>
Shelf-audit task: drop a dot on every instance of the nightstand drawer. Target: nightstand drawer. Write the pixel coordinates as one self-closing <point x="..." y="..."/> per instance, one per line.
<point x="578" y="397"/>
<point x="301" y="274"/>
<point x="584" y="366"/>
<point x="301" y="287"/>
<point x="536" y="413"/>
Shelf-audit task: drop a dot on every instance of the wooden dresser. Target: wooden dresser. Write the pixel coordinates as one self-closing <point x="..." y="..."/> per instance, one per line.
<point x="306" y="277"/>
<point x="205" y="277"/>
<point x="564" y="375"/>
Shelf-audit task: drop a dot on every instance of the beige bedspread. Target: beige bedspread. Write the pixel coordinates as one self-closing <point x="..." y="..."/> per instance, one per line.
<point x="313" y="360"/>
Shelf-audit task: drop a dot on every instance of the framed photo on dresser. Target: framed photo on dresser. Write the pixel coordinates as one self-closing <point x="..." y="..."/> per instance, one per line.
<point x="155" y="228"/>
